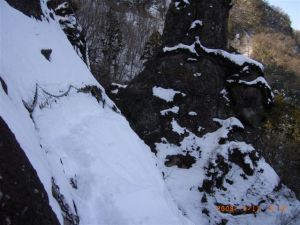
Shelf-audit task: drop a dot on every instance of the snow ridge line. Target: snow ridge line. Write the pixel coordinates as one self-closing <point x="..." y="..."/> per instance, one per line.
<point x="238" y="59"/>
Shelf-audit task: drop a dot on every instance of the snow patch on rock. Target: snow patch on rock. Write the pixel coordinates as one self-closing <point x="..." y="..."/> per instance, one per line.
<point x="174" y="109"/>
<point x="195" y="24"/>
<point x="166" y="94"/>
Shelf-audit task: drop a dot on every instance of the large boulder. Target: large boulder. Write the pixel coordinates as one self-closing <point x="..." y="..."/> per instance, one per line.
<point x="199" y="108"/>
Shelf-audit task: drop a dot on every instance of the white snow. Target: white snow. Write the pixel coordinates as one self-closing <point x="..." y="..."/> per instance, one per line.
<point x="116" y="91"/>
<point x="166" y="94"/>
<point x="195" y="24"/>
<point x="185" y="191"/>
<point x="75" y="136"/>
<point x="224" y="94"/>
<point x="235" y="58"/>
<point x="190" y="48"/>
<point x="200" y="128"/>
<point x="246" y="68"/>
<point x="258" y="80"/>
<point x="119" y="85"/>
<point x="174" y="109"/>
<point x="183" y="183"/>
<point x="230" y="122"/>
<point x="192" y="59"/>
<point x="192" y="113"/>
<point x="177" y="128"/>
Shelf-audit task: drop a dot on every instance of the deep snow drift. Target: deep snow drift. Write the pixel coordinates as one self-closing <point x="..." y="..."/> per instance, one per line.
<point x="79" y="144"/>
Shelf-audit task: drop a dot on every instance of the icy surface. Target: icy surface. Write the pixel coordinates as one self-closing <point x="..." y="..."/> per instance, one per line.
<point x="75" y="137"/>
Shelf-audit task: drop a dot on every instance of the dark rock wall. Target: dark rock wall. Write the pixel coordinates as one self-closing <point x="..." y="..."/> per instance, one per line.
<point x="173" y="71"/>
<point x="23" y="199"/>
<point x="208" y="84"/>
<point x="212" y="13"/>
<point x="178" y="70"/>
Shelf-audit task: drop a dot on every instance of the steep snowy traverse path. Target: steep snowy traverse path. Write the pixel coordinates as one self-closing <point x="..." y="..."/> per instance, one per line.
<point x="93" y="167"/>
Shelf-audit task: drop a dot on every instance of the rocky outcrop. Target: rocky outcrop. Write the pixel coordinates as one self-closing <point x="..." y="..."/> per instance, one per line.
<point x="215" y="83"/>
<point x="29" y="7"/>
<point x="205" y="104"/>
<point x="264" y="32"/>
<point x="65" y="12"/>
<point x="185" y="19"/>
<point x="23" y="199"/>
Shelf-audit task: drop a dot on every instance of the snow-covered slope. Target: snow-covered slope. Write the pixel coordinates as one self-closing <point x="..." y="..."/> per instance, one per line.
<point x="84" y="151"/>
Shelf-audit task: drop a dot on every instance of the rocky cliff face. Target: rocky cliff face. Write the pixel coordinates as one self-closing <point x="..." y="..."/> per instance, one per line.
<point x="117" y="33"/>
<point x="198" y="108"/>
<point x="184" y="21"/>
<point x="64" y="10"/>
<point x="22" y="195"/>
<point x="264" y="32"/>
<point x="224" y="84"/>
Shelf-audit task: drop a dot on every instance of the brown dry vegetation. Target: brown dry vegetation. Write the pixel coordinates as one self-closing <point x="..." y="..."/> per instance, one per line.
<point x="281" y="138"/>
<point x="271" y="40"/>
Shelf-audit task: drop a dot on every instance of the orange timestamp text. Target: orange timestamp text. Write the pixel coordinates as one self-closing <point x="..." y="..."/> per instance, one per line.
<point x="249" y="209"/>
